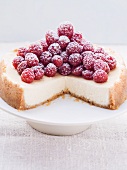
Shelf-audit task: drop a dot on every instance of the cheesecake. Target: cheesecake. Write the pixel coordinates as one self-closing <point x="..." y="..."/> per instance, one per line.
<point x="60" y="76"/>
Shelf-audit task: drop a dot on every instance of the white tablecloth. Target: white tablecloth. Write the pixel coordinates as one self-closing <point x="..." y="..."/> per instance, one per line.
<point x="102" y="147"/>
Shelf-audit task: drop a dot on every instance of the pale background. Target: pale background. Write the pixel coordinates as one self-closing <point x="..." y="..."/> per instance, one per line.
<point x="101" y="21"/>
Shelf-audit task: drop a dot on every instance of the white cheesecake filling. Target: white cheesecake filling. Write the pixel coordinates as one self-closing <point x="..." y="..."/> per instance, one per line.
<point x="40" y="91"/>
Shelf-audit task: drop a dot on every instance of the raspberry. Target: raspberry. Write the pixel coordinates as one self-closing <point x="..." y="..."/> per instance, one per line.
<point x="99" y="50"/>
<point x="57" y="60"/>
<point x="45" y="58"/>
<point x="41" y="65"/>
<point x="66" y="28"/>
<point x="63" y="41"/>
<point x="44" y="45"/>
<point x="22" y="51"/>
<point x="87" y="53"/>
<point x="99" y="56"/>
<point x="22" y="66"/>
<point x="77" y="37"/>
<point x="31" y="59"/>
<point x="35" y="49"/>
<point x="99" y="64"/>
<point x="28" y="75"/>
<point x="75" y="59"/>
<point x="87" y="74"/>
<point x="50" y="70"/>
<point x="65" y="56"/>
<point x="17" y="60"/>
<point x="77" y="71"/>
<point x="74" y="47"/>
<point x="54" y="48"/>
<point x="88" y="62"/>
<point x="38" y="72"/>
<point x="100" y="76"/>
<point x="51" y="37"/>
<point x="65" y="69"/>
<point x="111" y="62"/>
<point x="87" y="46"/>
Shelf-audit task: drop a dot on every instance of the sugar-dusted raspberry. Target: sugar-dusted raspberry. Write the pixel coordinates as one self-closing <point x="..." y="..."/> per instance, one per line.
<point x="77" y="36"/>
<point x="74" y="47"/>
<point x="88" y="61"/>
<point x="17" y="60"/>
<point x="66" y="28"/>
<point x="87" y="53"/>
<point x="75" y="59"/>
<point x="57" y="60"/>
<point x="63" y="41"/>
<point x="65" y="56"/>
<point x="54" y="48"/>
<point x="100" y="64"/>
<point x="45" y="58"/>
<point x="35" y="48"/>
<point x="99" y="50"/>
<point x="77" y="71"/>
<point x="99" y="56"/>
<point x="111" y="62"/>
<point x="22" y="51"/>
<point x="100" y="76"/>
<point x="87" y="74"/>
<point x="41" y="65"/>
<point x="32" y="59"/>
<point x="50" y="70"/>
<point x="65" y="69"/>
<point x="28" y="75"/>
<point x="22" y="66"/>
<point x="38" y="72"/>
<point x="44" y="45"/>
<point x="51" y="37"/>
<point x="87" y="46"/>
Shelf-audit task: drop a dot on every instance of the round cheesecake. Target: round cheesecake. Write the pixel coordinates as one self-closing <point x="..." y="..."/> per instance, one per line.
<point x="21" y="95"/>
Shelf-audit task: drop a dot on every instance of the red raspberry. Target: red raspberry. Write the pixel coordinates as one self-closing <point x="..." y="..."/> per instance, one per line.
<point x="99" y="50"/>
<point x="100" y="56"/>
<point x="100" y="76"/>
<point x="17" y="60"/>
<point x="63" y="41"/>
<point x="87" y="74"/>
<point x="75" y="59"/>
<point x="41" y="65"/>
<point x="77" y="71"/>
<point x="44" y="45"/>
<point x="99" y="64"/>
<point x="28" y="75"/>
<point x="87" y="46"/>
<point x="77" y="37"/>
<point x="65" y="69"/>
<point x="88" y="62"/>
<point x="65" y="56"/>
<point x="57" y="60"/>
<point x="50" y="70"/>
<point x="22" y="51"/>
<point x="66" y="28"/>
<point x="74" y="47"/>
<point x="111" y="62"/>
<point x="54" y="48"/>
<point x="35" y="49"/>
<point x="87" y="53"/>
<point x="45" y="58"/>
<point x="32" y="59"/>
<point x="51" y="37"/>
<point x="22" y="66"/>
<point x="38" y="72"/>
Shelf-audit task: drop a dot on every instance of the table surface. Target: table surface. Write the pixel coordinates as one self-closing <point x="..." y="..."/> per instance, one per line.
<point x="102" y="147"/>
